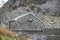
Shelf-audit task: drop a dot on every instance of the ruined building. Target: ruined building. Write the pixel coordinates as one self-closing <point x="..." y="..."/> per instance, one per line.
<point x="32" y="15"/>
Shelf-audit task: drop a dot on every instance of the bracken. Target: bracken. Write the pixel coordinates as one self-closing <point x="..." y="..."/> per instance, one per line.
<point x="7" y="32"/>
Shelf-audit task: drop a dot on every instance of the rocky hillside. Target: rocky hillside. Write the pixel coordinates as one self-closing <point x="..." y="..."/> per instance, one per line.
<point x="46" y="7"/>
<point x="13" y="4"/>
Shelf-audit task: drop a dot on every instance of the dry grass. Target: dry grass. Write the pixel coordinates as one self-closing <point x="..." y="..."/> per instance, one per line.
<point x="7" y="32"/>
<point x="50" y="19"/>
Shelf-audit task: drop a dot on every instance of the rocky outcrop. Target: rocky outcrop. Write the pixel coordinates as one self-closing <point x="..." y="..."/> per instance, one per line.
<point x="13" y="4"/>
<point x="47" y="7"/>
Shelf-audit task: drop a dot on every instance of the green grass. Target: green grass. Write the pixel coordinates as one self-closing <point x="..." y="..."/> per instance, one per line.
<point x="3" y="37"/>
